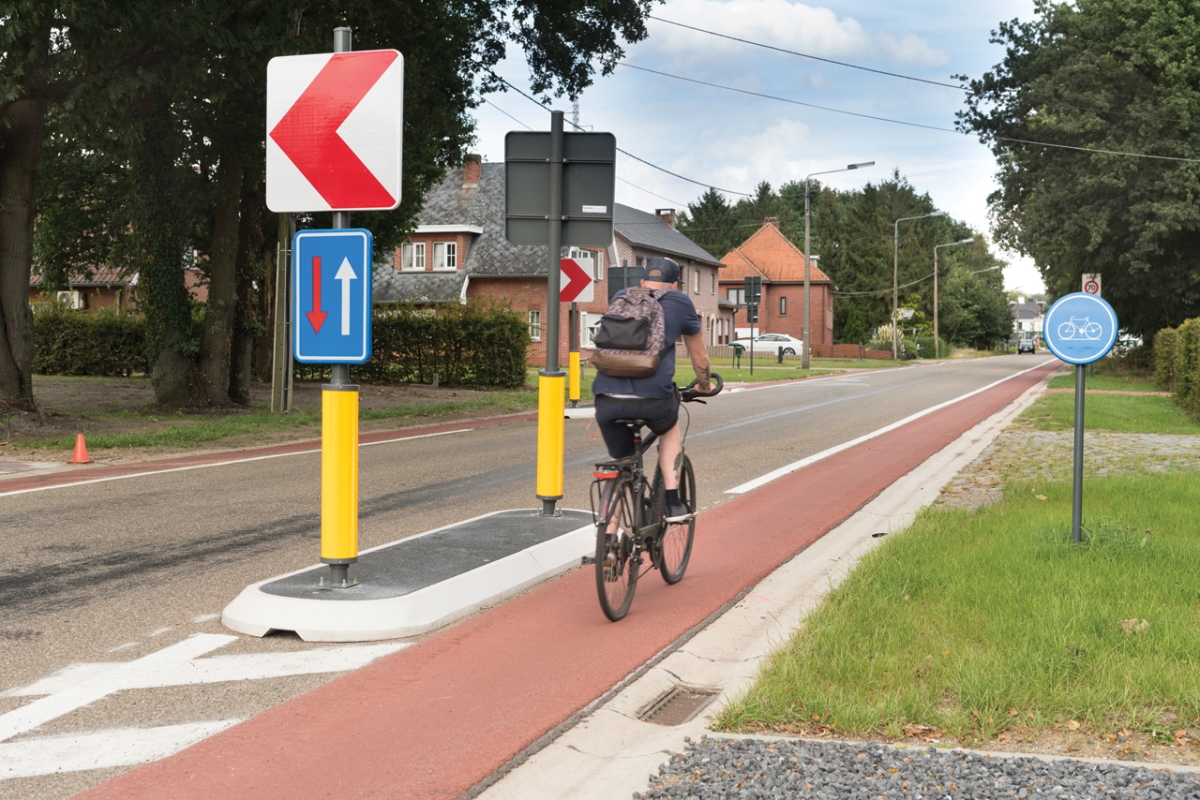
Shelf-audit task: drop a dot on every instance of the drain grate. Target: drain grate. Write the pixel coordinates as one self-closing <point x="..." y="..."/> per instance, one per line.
<point x="679" y="705"/>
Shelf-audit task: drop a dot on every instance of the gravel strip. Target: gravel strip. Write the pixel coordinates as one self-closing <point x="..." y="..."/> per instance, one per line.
<point x="724" y="769"/>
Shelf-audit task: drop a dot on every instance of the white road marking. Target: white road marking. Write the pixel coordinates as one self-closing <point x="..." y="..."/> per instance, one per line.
<point x="39" y="712"/>
<point x="205" y="618"/>
<point x="804" y="462"/>
<point x="316" y="449"/>
<point x="103" y="749"/>
<point x="159" y="631"/>
<point x="121" y="647"/>
<point x="215" y="669"/>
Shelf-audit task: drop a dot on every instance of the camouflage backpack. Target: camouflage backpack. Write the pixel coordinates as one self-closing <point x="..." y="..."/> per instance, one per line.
<point x="631" y="339"/>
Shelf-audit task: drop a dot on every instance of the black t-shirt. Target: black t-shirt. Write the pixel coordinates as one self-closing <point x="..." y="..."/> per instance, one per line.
<point x="679" y="319"/>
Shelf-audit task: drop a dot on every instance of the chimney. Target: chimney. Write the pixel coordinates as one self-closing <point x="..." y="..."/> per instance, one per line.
<point x="772" y="221"/>
<point x="666" y="216"/>
<point x="472" y="167"/>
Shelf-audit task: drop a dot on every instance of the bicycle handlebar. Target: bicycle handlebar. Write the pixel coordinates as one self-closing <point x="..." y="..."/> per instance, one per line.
<point x="689" y="394"/>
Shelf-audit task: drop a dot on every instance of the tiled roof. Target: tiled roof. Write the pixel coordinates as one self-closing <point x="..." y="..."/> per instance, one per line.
<point x="1026" y="310"/>
<point x="643" y="229"/>
<point x="490" y="253"/>
<point x="390" y="286"/>
<point x="771" y="255"/>
<point x="100" y="276"/>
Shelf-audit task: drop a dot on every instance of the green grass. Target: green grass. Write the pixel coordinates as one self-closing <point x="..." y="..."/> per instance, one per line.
<point x="1120" y="382"/>
<point x="1110" y="412"/>
<point x="972" y="622"/>
<point x="191" y="430"/>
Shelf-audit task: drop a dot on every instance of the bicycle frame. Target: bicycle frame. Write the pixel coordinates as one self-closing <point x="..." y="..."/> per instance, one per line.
<point x="633" y="471"/>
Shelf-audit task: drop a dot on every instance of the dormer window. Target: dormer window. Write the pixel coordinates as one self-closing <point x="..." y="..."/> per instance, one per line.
<point x="412" y="256"/>
<point x="445" y="255"/>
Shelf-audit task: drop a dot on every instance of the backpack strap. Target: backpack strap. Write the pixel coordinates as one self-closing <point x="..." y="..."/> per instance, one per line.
<point x="658" y="295"/>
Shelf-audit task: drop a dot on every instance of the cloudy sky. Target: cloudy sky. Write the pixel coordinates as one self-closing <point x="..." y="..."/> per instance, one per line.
<point x="733" y="141"/>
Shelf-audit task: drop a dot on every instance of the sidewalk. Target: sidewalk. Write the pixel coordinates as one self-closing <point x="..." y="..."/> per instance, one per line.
<point x="442" y="716"/>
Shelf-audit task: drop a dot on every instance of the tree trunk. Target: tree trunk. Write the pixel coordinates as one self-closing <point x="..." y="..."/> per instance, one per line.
<point x="160" y="238"/>
<point x="250" y="274"/>
<point x="20" y="149"/>
<point x="264" y="348"/>
<point x="217" y="337"/>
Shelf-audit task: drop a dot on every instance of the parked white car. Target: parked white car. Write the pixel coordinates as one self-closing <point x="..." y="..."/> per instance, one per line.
<point x="774" y="343"/>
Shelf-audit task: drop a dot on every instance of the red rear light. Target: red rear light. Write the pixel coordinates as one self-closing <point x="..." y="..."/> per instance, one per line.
<point x="606" y="476"/>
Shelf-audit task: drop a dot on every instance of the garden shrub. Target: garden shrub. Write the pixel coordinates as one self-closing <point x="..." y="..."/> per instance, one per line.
<point x="1186" y="384"/>
<point x="481" y="343"/>
<point x="89" y="343"/>
<point x="1164" y="358"/>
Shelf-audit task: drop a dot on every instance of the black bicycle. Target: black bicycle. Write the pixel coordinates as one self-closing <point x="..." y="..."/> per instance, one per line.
<point x="621" y="492"/>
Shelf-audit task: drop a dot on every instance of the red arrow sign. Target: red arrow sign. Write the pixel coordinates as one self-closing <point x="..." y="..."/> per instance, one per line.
<point x="577" y="280"/>
<point x="308" y="135"/>
<point x="316" y="317"/>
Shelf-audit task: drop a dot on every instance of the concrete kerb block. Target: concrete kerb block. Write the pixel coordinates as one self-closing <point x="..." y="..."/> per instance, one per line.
<point x="321" y="619"/>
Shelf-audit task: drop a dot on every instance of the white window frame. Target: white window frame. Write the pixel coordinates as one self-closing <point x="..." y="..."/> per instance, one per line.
<point x="783" y="306"/>
<point x="535" y="324"/>
<point x="587" y="329"/>
<point x="445" y="256"/>
<point x="737" y="297"/>
<point x="412" y="257"/>
<point x="695" y="281"/>
<point x="713" y="275"/>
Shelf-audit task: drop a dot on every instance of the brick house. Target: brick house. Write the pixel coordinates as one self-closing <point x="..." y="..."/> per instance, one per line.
<point x="770" y="255"/>
<point x="106" y="287"/>
<point x="459" y="252"/>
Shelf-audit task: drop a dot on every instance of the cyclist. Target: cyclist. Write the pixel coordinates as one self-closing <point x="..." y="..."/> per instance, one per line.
<point x="655" y="398"/>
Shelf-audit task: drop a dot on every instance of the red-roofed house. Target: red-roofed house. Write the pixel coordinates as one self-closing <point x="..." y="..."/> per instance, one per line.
<point x="770" y="255"/>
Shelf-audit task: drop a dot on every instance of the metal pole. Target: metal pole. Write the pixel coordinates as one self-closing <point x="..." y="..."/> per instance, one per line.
<point x="573" y="355"/>
<point x="807" y="260"/>
<point x="339" y="444"/>
<point x="552" y="380"/>
<point x="1077" y="494"/>
<point x="895" y="288"/>
<point x="937" y="343"/>
<point x="282" y="343"/>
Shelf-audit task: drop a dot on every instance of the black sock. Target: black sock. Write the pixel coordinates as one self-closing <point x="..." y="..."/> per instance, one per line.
<point x="672" y="495"/>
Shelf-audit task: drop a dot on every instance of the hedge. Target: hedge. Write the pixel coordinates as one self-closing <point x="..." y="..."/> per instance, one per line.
<point x="100" y="343"/>
<point x="477" y="344"/>
<point x="1177" y="363"/>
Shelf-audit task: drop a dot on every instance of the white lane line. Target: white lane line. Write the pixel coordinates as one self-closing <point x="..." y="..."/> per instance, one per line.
<point x="39" y="712"/>
<point x="103" y="749"/>
<point x="220" y="464"/>
<point x="205" y="617"/>
<point x="216" y="669"/>
<point x="804" y="462"/>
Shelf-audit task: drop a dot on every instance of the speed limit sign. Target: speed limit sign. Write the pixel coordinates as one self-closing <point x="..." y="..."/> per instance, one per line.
<point x="1091" y="283"/>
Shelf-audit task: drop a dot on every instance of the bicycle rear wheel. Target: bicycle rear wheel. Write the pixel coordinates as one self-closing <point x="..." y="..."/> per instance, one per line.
<point x="676" y="542"/>
<point x="617" y="561"/>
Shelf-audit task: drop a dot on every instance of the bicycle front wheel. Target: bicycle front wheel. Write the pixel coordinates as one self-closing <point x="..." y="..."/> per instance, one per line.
<point x="677" y="537"/>
<point x="617" y="559"/>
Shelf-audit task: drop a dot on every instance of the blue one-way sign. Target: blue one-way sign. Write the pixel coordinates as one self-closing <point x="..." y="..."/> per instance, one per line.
<point x="332" y="312"/>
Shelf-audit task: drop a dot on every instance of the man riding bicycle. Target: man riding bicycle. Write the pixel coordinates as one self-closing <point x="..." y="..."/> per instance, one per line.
<point x="655" y="398"/>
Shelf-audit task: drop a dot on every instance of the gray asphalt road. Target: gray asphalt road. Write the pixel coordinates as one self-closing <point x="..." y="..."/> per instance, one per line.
<point x="117" y="570"/>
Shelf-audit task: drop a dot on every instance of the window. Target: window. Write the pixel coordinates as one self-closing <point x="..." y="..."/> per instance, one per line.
<point x="535" y="325"/>
<point x="585" y="259"/>
<point x="695" y="281"/>
<point x="737" y="296"/>
<point x="713" y="286"/>
<point x="412" y="256"/>
<point x="783" y="306"/>
<point x="588" y="325"/>
<point x="445" y="255"/>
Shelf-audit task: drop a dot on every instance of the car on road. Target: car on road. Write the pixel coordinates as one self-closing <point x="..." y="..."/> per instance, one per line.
<point x="1026" y="346"/>
<point x="774" y="343"/>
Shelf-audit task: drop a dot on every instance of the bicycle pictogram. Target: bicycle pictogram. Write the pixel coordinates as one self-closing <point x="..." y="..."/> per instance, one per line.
<point x="1080" y="328"/>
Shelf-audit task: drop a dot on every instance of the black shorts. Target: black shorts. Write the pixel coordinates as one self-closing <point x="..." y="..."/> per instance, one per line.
<point x="660" y="416"/>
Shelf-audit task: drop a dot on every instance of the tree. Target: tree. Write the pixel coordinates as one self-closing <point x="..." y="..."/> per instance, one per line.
<point x="1113" y="75"/>
<point x="186" y="164"/>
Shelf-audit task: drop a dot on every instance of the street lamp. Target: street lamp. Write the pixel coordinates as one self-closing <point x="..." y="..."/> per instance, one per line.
<point x="807" y="217"/>
<point x="937" y="343"/>
<point x="896" y="278"/>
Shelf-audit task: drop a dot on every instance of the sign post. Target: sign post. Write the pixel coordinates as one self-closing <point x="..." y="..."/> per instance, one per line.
<point x="334" y="123"/>
<point x="577" y="286"/>
<point x="1080" y="329"/>
<point x="559" y="189"/>
<point x="753" y="290"/>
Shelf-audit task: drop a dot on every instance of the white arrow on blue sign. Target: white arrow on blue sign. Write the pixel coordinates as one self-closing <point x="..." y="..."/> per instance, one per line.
<point x="1080" y="328"/>
<point x="332" y="312"/>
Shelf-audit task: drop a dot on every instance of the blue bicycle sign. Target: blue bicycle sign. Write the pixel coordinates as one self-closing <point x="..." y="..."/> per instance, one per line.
<point x="1080" y="328"/>
<point x="1077" y="328"/>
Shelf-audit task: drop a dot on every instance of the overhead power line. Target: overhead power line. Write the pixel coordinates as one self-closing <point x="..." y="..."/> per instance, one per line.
<point x="809" y="55"/>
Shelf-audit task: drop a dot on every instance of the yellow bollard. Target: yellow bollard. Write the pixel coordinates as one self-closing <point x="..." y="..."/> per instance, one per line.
<point x="339" y="475"/>
<point x="575" y="371"/>
<point x="551" y="407"/>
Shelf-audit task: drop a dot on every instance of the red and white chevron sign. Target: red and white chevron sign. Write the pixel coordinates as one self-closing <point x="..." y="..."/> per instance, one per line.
<point x="334" y="123"/>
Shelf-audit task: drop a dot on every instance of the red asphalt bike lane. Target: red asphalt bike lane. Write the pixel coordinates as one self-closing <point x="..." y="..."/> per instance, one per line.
<point x="436" y="719"/>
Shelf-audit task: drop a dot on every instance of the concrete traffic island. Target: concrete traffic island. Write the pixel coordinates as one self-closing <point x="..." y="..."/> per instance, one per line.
<point x="417" y="584"/>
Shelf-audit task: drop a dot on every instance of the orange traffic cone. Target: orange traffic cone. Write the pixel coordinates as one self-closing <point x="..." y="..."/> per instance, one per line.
<point x="81" y="456"/>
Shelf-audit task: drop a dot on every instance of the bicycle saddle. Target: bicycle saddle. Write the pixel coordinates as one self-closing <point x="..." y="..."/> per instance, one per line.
<point x="631" y="423"/>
